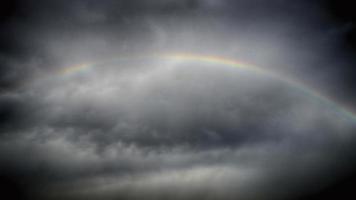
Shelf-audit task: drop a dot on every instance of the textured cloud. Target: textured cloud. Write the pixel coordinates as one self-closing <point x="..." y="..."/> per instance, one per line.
<point x="89" y="111"/>
<point x="168" y="127"/>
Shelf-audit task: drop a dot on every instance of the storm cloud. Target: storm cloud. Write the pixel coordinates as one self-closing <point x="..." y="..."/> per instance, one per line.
<point x="91" y="108"/>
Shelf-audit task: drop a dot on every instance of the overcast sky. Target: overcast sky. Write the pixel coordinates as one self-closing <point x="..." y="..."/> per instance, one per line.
<point x="91" y="106"/>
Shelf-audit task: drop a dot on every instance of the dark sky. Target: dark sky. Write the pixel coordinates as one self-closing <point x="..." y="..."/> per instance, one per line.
<point x="91" y="106"/>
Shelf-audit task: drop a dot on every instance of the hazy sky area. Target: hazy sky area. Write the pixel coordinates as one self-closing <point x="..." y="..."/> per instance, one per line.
<point x="168" y="99"/>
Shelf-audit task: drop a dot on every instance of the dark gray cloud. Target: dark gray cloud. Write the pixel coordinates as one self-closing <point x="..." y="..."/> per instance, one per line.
<point x="135" y="125"/>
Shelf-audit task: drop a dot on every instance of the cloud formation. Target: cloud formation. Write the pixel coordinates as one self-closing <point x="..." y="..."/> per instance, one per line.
<point x="134" y="126"/>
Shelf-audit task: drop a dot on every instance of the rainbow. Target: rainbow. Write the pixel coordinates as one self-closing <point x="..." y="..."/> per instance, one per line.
<point x="222" y="61"/>
<point x="75" y="69"/>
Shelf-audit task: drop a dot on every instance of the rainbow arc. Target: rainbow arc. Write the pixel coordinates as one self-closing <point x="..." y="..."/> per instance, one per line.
<point x="222" y="61"/>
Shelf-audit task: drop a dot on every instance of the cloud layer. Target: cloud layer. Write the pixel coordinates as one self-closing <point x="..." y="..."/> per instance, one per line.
<point x="131" y="125"/>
